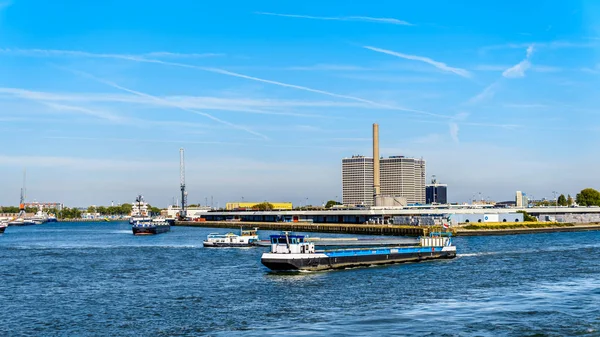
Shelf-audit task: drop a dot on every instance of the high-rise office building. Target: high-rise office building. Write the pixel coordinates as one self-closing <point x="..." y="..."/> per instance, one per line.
<point x="357" y="181"/>
<point x="436" y="193"/>
<point x="400" y="176"/>
<point x="521" y="199"/>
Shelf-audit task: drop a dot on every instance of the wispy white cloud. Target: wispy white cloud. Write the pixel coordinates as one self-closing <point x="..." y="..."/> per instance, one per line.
<point x="167" y="54"/>
<point x="543" y="45"/>
<point x="503" y="67"/>
<point x="440" y="65"/>
<point x="454" y="131"/>
<point x="175" y="105"/>
<point x="341" y="18"/>
<point x="518" y="70"/>
<point x="330" y="67"/>
<point x="390" y="78"/>
<point x="132" y="140"/>
<point x="238" y="75"/>
<point x="43" y="99"/>
<point x="486" y="94"/>
<point x="526" y="106"/>
<point x="461" y="116"/>
<point x="76" y="53"/>
<point x="91" y="112"/>
<point x="243" y="104"/>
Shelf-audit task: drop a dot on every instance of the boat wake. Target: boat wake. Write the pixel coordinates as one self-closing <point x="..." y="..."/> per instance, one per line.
<point x="67" y="247"/>
<point x="532" y="251"/>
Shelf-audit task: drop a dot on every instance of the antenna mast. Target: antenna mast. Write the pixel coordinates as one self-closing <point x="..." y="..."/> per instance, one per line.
<point x="182" y="214"/>
<point x="22" y="201"/>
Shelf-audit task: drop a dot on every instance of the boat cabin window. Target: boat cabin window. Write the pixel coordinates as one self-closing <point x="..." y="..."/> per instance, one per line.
<point x="282" y="240"/>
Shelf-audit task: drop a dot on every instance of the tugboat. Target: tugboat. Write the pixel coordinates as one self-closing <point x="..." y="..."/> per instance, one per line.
<point x="293" y="252"/>
<point x="246" y="238"/>
<point x="139" y="211"/>
<point x="156" y="226"/>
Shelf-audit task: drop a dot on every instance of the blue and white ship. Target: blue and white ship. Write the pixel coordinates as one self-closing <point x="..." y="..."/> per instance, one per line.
<point x="155" y="226"/>
<point x="293" y="252"/>
<point x="139" y="211"/>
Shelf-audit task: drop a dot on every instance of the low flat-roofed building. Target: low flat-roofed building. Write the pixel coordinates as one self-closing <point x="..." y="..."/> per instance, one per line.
<point x="230" y="206"/>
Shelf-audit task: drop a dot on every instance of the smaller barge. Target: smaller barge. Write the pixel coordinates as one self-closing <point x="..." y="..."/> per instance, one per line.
<point x="293" y="252"/>
<point x="156" y="226"/>
<point x="247" y="238"/>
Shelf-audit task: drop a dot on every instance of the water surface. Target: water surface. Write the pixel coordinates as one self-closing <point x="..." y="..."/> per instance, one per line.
<point x="97" y="279"/>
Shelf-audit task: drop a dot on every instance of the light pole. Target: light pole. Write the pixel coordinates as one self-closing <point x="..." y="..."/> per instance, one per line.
<point x="555" y="204"/>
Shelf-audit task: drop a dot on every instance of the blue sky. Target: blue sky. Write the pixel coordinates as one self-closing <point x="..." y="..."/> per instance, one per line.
<point x="267" y="97"/>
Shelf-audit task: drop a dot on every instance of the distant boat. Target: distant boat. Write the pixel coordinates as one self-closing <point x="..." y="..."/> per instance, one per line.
<point x="39" y="218"/>
<point x="3" y="226"/>
<point x="22" y="222"/>
<point x="246" y="238"/>
<point x="52" y="218"/>
<point x="139" y="211"/>
<point x="156" y="226"/>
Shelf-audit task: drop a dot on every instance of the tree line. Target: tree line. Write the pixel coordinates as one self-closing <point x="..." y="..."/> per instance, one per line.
<point x="73" y="213"/>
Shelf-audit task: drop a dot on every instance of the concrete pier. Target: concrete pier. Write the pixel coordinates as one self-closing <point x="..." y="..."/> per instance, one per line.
<point x="313" y="227"/>
<point x="393" y="230"/>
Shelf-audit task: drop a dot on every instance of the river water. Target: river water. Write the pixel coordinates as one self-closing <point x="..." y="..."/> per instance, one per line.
<point x="97" y="279"/>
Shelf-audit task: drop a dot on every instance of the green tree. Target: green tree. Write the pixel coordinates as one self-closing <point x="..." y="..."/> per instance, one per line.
<point x="263" y="206"/>
<point x="102" y="210"/>
<point x="331" y="203"/>
<point x="562" y="200"/>
<point x="588" y="197"/>
<point x="91" y="210"/>
<point x="569" y="200"/>
<point x="155" y="210"/>
<point x="126" y="209"/>
<point x="9" y="209"/>
<point x="527" y="217"/>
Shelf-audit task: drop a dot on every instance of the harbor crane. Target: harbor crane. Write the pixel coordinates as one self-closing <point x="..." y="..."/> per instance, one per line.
<point x="182" y="213"/>
<point x="23" y="195"/>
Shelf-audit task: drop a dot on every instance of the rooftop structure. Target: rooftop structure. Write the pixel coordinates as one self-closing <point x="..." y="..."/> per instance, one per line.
<point x="250" y="205"/>
<point x="436" y="193"/>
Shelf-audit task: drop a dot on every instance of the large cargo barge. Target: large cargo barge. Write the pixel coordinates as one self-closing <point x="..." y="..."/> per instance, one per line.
<point x="293" y="252"/>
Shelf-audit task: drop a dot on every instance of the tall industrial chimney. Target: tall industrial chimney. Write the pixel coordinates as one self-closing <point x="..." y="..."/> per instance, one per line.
<point x="376" y="182"/>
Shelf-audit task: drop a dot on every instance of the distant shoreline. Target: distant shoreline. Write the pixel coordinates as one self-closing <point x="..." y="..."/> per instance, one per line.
<point x="393" y="230"/>
<point x="511" y="231"/>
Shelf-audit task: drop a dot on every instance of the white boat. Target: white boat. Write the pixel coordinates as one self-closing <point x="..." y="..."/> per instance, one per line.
<point x="3" y="226"/>
<point x="139" y="211"/>
<point x="246" y="238"/>
<point x="39" y="218"/>
<point x="21" y="222"/>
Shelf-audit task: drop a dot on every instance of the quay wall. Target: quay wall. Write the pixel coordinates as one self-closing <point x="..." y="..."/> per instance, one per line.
<point x="392" y="230"/>
<point x="313" y="227"/>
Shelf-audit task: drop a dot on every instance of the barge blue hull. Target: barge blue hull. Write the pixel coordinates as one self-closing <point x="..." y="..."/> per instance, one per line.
<point x="346" y="259"/>
<point x="150" y="230"/>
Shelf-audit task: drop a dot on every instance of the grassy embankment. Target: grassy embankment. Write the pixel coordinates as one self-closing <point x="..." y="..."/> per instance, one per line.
<point x="514" y="225"/>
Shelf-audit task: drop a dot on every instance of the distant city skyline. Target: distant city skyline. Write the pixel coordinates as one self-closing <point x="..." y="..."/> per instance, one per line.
<point x="267" y="97"/>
